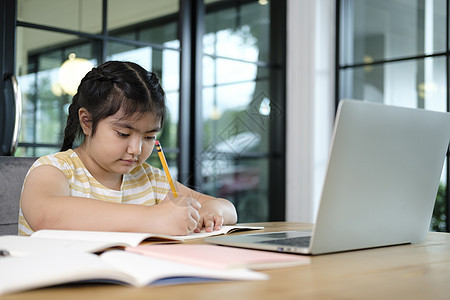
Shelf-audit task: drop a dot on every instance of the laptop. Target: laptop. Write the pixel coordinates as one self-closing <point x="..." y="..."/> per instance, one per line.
<point x="380" y="187"/>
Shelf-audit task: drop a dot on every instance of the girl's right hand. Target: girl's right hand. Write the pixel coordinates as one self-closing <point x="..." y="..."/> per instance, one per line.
<point x="177" y="216"/>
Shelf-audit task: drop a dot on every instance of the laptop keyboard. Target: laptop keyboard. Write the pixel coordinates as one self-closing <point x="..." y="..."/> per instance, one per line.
<point x="301" y="241"/>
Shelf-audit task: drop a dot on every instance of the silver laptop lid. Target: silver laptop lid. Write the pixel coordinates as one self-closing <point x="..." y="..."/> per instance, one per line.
<point x="383" y="174"/>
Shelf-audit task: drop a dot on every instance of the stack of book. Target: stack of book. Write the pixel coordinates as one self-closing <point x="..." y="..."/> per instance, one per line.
<point x="55" y="257"/>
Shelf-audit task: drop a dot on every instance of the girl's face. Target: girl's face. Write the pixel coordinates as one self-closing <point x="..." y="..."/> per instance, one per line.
<point x="122" y="143"/>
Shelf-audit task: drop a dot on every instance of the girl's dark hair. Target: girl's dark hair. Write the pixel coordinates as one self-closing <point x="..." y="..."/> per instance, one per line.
<point x="111" y="87"/>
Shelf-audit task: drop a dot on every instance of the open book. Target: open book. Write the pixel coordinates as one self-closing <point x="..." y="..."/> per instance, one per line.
<point x="43" y="241"/>
<point x="115" y="266"/>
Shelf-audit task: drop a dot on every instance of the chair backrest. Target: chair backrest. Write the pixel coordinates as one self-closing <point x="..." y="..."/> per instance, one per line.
<point x="12" y="174"/>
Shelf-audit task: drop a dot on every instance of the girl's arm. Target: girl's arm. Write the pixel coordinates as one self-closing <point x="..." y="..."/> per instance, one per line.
<point x="214" y="212"/>
<point x="46" y="204"/>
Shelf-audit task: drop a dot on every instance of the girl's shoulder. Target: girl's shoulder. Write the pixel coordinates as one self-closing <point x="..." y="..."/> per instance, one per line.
<point x="66" y="160"/>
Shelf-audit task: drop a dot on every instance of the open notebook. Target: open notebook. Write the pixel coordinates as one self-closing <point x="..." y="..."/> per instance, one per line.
<point x="380" y="187"/>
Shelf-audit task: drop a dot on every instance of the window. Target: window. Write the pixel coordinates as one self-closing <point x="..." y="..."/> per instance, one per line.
<point x="396" y="52"/>
<point x="47" y="35"/>
<point x="240" y="127"/>
<point x="239" y="106"/>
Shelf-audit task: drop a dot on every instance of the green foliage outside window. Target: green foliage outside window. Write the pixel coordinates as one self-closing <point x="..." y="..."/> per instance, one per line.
<point x="439" y="219"/>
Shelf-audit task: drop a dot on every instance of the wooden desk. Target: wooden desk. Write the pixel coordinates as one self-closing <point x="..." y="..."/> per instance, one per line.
<point x="419" y="271"/>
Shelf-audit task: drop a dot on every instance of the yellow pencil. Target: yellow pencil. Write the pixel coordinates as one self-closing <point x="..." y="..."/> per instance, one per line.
<point x="162" y="158"/>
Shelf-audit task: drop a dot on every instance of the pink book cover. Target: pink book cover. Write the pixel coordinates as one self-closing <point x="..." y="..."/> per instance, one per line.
<point x="220" y="257"/>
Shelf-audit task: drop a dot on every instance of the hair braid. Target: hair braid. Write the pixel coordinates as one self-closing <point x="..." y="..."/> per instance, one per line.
<point x="72" y="126"/>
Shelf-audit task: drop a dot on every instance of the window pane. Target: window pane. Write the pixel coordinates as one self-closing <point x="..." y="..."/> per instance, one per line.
<point x="83" y="15"/>
<point x="231" y="71"/>
<point x="45" y="98"/>
<point x="125" y="52"/>
<point x="35" y="151"/>
<point x="416" y="83"/>
<point x="163" y="32"/>
<point x="243" y="182"/>
<point x="237" y="107"/>
<point x="388" y="29"/>
<point x="241" y="31"/>
<point x="235" y="119"/>
<point x="132" y="12"/>
<point x="169" y="132"/>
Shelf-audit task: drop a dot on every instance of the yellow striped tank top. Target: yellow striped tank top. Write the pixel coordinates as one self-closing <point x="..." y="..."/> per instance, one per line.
<point x="144" y="184"/>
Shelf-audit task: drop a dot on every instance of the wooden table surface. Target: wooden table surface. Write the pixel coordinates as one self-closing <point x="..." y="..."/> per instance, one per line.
<point x="419" y="271"/>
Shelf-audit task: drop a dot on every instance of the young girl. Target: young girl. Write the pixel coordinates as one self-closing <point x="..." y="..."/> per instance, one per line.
<point x="105" y="184"/>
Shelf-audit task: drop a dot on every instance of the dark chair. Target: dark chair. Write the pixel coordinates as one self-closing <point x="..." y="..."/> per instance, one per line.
<point x="12" y="174"/>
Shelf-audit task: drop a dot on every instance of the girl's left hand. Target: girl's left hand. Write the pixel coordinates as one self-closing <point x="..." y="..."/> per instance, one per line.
<point x="210" y="219"/>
